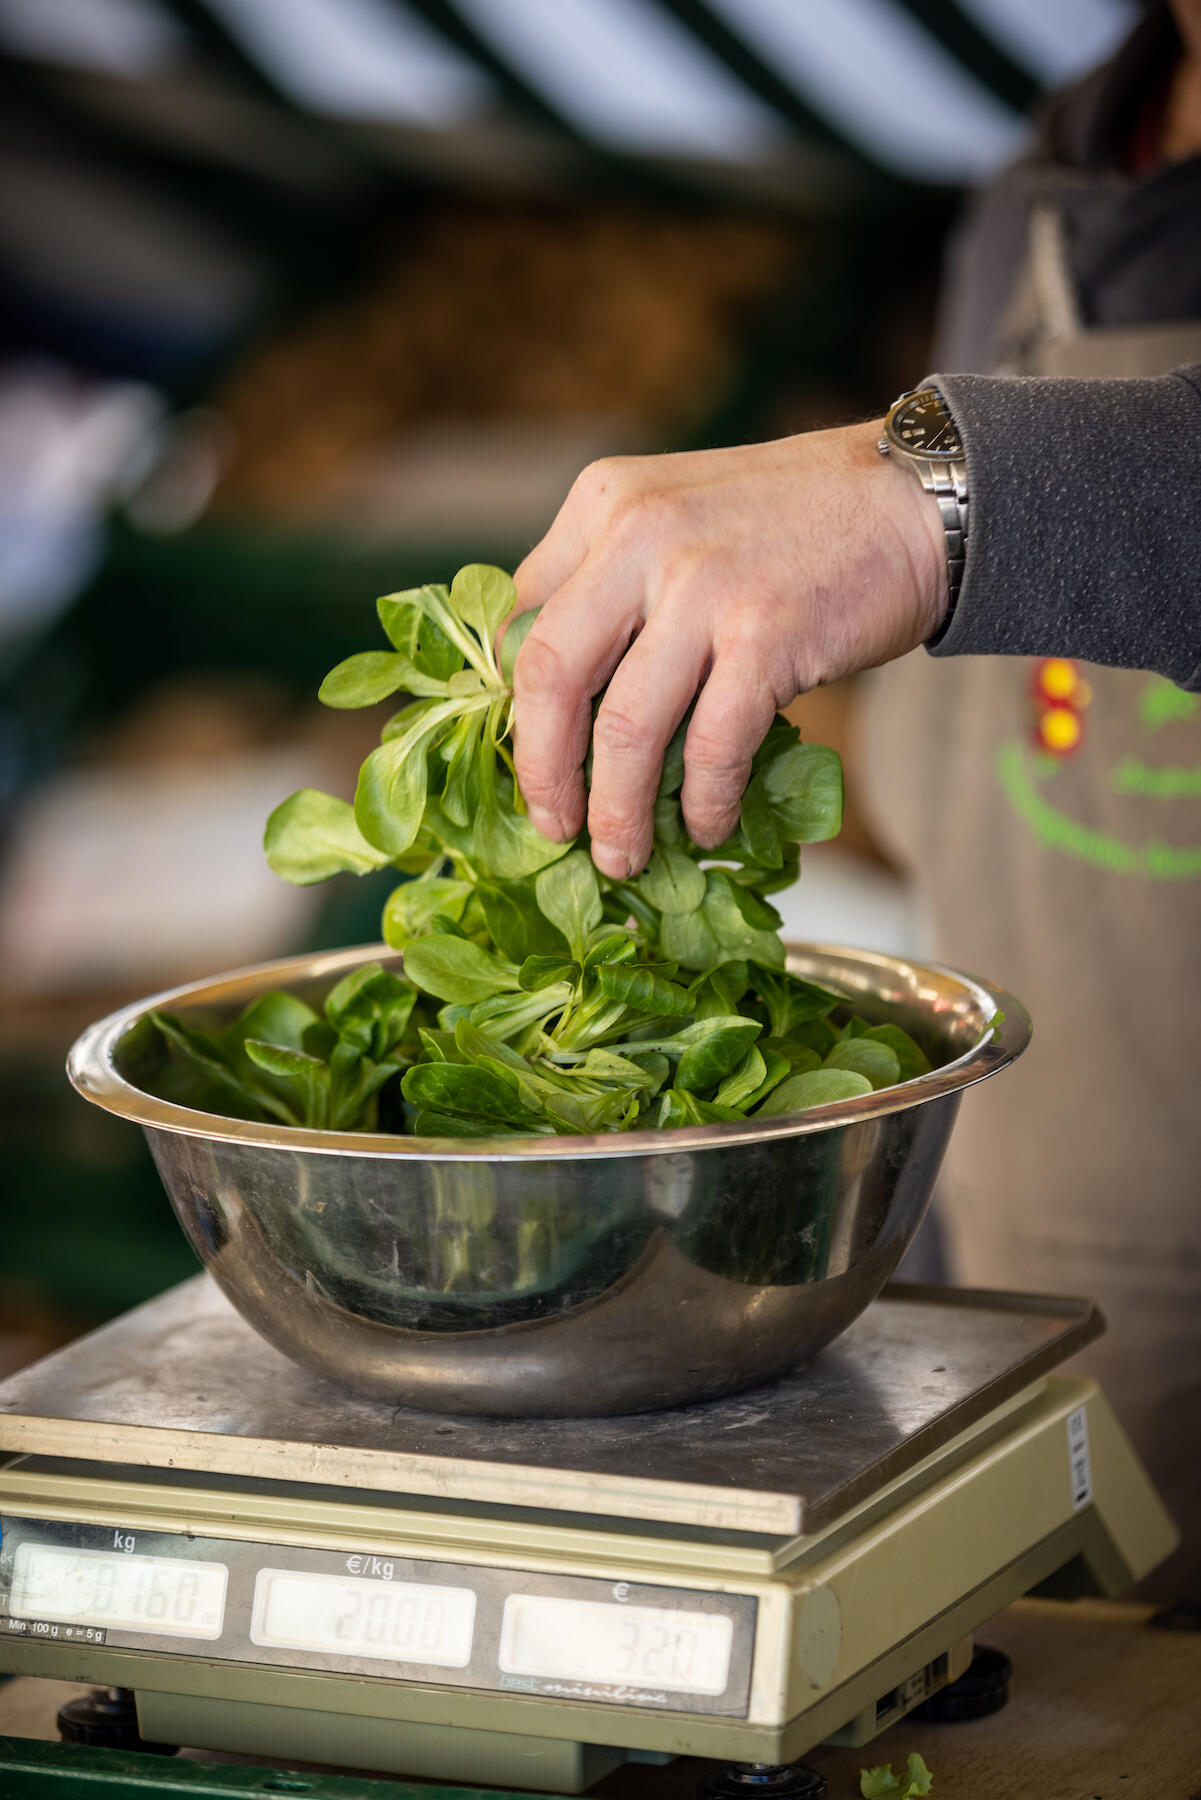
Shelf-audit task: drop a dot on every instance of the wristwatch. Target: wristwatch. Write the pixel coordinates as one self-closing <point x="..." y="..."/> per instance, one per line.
<point x="920" y="432"/>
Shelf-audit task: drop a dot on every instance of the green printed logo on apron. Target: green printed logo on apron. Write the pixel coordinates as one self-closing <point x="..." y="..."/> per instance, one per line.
<point x="1027" y="772"/>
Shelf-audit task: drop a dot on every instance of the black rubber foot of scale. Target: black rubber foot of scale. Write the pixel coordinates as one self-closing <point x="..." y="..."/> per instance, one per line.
<point x="1184" y="1616"/>
<point x="762" y="1781"/>
<point x="982" y="1690"/>
<point x="106" y="1718"/>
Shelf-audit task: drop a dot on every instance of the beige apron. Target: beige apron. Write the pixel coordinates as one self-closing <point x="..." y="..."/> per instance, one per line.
<point x="1076" y="882"/>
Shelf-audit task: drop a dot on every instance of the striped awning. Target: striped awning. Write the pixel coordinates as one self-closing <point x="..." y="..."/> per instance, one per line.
<point x="928" y="90"/>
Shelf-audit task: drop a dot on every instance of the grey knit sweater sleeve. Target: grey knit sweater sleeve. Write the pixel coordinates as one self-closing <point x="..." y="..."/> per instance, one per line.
<point x="1085" y="535"/>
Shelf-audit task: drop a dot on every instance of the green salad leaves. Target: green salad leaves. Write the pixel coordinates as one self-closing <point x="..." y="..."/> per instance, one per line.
<point x="539" y="997"/>
<point x="280" y="1060"/>
<point x="881" y="1784"/>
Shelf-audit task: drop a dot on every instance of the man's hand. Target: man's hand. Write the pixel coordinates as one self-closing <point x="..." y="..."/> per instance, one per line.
<point x="738" y="578"/>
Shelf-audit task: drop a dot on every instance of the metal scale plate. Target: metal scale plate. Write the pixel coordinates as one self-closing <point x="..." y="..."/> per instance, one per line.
<point x="184" y="1382"/>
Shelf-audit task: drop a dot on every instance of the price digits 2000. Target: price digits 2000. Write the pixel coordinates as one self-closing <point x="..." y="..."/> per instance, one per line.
<point x="403" y="1619"/>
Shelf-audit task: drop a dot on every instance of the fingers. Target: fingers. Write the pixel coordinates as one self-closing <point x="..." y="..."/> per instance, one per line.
<point x="550" y="563"/>
<point x="547" y="568"/>
<point x="578" y="640"/>
<point x="731" y="720"/>
<point x="578" y="523"/>
<point x="624" y="555"/>
<point x="647" y="697"/>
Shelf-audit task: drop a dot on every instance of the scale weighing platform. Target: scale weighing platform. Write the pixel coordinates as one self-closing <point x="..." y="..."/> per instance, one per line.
<point x="279" y="1568"/>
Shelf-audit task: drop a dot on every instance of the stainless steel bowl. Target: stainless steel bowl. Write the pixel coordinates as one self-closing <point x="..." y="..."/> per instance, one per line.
<point x="560" y="1276"/>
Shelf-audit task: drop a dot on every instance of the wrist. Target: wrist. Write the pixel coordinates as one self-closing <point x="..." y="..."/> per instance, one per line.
<point x="921" y="434"/>
<point x="917" y="525"/>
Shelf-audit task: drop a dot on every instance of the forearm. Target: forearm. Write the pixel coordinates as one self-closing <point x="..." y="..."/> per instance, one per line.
<point x="1086" y="521"/>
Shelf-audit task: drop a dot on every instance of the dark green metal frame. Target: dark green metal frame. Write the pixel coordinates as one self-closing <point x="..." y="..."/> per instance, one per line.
<point x="34" y="1769"/>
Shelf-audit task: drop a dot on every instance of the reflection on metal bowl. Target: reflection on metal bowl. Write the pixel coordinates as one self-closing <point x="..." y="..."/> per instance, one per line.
<point x="561" y="1276"/>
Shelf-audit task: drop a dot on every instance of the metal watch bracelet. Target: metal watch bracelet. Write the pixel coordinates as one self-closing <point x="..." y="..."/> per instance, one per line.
<point x="948" y="484"/>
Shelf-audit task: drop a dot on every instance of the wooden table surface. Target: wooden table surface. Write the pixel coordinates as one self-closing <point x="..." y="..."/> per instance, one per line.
<point x="1102" y="1707"/>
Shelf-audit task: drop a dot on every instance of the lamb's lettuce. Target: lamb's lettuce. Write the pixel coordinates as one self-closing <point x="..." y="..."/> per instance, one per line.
<point x="282" y="1061"/>
<point x="538" y="995"/>
<point x="881" y="1784"/>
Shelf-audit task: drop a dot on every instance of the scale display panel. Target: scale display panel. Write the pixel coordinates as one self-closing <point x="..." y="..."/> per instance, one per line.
<point x="377" y="1614"/>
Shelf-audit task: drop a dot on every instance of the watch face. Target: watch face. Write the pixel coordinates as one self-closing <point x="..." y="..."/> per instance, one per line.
<point x="922" y="424"/>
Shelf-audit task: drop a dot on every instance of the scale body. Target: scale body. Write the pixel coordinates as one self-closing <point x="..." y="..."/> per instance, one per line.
<point x="276" y="1567"/>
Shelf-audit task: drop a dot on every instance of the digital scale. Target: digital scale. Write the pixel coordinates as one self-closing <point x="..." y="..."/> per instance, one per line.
<point x="277" y="1567"/>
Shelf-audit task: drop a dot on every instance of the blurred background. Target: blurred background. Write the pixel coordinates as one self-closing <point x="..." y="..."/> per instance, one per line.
<point x="308" y="300"/>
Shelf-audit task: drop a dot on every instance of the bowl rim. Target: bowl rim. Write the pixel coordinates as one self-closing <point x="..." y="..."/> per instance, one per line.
<point x="92" y="1070"/>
